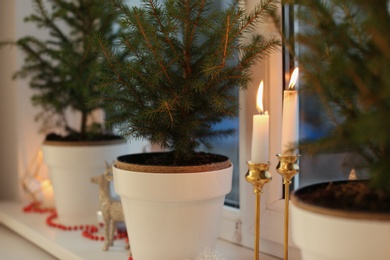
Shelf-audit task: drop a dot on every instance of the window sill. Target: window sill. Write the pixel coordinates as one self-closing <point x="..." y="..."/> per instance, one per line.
<point x="72" y="245"/>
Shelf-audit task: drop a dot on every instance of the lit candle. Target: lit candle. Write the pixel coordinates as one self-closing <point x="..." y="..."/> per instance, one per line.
<point x="290" y="128"/>
<point x="260" y="133"/>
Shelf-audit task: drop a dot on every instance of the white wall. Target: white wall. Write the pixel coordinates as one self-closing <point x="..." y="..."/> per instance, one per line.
<point x="19" y="137"/>
<point x="8" y="107"/>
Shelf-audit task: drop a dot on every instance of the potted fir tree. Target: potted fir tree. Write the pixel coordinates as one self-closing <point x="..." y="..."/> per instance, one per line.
<point x="184" y="60"/>
<point x="345" y="61"/>
<point x="63" y="68"/>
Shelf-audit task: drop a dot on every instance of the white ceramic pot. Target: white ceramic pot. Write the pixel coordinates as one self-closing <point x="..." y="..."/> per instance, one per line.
<point x="172" y="216"/>
<point x="322" y="234"/>
<point x="70" y="170"/>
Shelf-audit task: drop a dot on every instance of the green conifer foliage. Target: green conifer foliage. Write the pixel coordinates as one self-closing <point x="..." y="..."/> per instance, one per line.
<point x="183" y="62"/>
<point x="62" y="68"/>
<point x="346" y="62"/>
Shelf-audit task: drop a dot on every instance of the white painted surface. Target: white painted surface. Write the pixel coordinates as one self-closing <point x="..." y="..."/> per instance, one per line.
<point x="70" y="244"/>
<point x="326" y="237"/>
<point x="178" y="214"/>
<point x="71" y="169"/>
<point x="14" y="246"/>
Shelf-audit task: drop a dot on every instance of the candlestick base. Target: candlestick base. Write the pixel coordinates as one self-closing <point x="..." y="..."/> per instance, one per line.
<point x="287" y="167"/>
<point x="258" y="175"/>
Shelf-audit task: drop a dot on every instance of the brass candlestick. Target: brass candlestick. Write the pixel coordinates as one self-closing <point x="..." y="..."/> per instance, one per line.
<point x="288" y="168"/>
<point x="258" y="175"/>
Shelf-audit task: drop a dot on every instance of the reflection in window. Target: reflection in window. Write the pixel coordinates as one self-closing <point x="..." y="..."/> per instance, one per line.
<point x="312" y="121"/>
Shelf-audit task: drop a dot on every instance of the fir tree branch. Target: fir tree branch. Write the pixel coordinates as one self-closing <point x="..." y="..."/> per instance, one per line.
<point x="196" y="47"/>
<point x="49" y="22"/>
<point x="151" y="49"/>
<point x="156" y="15"/>
<point x="63" y="66"/>
<point x="261" y="12"/>
<point x="226" y="41"/>
<point x="195" y="22"/>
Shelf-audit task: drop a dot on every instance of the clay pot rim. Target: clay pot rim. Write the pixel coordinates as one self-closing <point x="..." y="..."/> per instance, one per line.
<point x="171" y="169"/>
<point x="361" y="215"/>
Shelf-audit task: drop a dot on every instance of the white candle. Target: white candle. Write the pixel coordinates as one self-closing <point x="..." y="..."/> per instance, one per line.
<point x="290" y="130"/>
<point x="260" y="133"/>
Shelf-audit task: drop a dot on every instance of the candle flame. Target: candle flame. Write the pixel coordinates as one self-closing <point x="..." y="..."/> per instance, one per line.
<point x="259" y="100"/>
<point x="45" y="184"/>
<point x="294" y="78"/>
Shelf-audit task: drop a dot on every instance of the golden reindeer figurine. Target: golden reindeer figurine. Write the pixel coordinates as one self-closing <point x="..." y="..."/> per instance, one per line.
<point x="111" y="209"/>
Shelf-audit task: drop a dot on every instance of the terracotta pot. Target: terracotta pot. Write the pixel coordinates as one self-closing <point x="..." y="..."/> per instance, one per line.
<point x="172" y="215"/>
<point x="71" y="167"/>
<point x="330" y="234"/>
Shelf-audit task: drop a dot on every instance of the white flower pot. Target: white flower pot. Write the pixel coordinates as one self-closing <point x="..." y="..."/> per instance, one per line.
<point x="172" y="215"/>
<point x="322" y="234"/>
<point x="70" y="170"/>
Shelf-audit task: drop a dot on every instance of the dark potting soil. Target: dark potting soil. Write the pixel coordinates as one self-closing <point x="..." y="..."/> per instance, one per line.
<point x="356" y="196"/>
<point x="167" y="159"/>
<point x="78" y="137"/>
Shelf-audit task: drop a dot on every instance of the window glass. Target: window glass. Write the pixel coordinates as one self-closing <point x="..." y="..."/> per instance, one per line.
<point x="312" y="121"/>
<point x="313" y="125"/>
<point x="229" y="146"/>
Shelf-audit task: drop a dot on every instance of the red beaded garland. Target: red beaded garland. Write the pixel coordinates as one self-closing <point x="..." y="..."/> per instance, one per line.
<point x="35" y="207"/>
<point x="88" y="230"/>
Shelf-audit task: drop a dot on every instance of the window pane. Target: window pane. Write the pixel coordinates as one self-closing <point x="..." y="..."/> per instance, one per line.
<point x="229" y="147"/>
<point x="313" y="125"/>
<point x="312" y="120"/>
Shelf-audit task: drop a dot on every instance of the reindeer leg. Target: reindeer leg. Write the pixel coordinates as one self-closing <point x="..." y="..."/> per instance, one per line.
<point x="112" y="231"/>
<point x="106" y="233"/>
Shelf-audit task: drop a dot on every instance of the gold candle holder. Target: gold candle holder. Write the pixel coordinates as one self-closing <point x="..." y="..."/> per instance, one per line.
<point x="287" y="167"/>
<point x="258" y="175"/>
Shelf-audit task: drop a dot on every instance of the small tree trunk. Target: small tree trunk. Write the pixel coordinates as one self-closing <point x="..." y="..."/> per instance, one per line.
<point x="84" y="117"/>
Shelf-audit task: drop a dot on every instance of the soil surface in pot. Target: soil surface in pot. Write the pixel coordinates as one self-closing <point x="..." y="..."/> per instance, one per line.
<point x="354" y="196"/>
<point x="167" y="159"/>
<point x="76" y="137"/>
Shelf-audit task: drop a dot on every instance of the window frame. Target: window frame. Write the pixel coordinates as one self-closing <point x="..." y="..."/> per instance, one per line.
<point x="238" y="225"/>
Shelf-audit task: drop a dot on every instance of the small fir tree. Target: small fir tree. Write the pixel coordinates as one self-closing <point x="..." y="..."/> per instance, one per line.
<point x="184" y="61"/>
<point x="63" y="67"/>
<point x="345" y="62"/>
